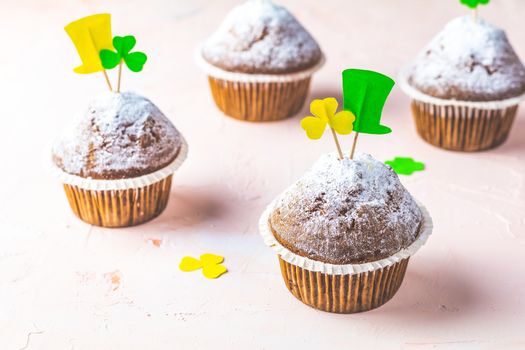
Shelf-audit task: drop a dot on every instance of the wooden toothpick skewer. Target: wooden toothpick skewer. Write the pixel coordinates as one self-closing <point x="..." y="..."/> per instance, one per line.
<point x="353" y="145"/>
<point x="337" y="144"/>
<point x="119" y="75"/>
<point x="475" y="14"/>
<point x="107" y="80"/>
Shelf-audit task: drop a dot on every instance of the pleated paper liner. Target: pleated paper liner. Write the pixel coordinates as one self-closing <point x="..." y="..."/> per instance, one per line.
<point x="348" y="288"/>
<point x="258" y="97"/>
<point x="120" y="203"/>
<point x="461" y="125"/>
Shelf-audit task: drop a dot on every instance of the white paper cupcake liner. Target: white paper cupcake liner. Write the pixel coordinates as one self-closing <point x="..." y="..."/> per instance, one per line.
<point x="346" y="269"/>
<point x="121" y="184"/>
<point x="419" y="96"/>
<point x="219" y="73"/>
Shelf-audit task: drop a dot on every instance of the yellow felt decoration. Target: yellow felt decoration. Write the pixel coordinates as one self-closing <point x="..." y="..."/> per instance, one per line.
<point x="210" y="264"/>
<point x="189" y="264"/>
<point x="324" y="109"/>
<point x="314" y="127"/>
<point x="343" y="122"/>
<point x="211" y="259"/>
<point x="324" y="113"/>
<point x="214" y="271"/>
<point x="91" y="35"/>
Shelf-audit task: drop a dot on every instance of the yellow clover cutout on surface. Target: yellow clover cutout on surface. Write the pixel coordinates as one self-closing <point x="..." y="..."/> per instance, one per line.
<point x="324" y="113"/>
<point x="211" y="265"/>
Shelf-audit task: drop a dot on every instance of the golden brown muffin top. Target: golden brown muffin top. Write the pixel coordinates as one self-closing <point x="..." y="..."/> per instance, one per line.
<point x="122" y="135"/>
<point x="346" y="212"/>
<point x="259" y="37"/>
<point x="469" y="61"/>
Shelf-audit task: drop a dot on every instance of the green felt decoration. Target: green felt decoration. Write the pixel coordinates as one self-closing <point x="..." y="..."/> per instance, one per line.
<point x="123" y="45"/>
<point x="109" y="59"/>
<point x="364" y="94"/>
<point x="474" y="3"/>
<point x="135" y="61"/>
<point x="405" y="165"/>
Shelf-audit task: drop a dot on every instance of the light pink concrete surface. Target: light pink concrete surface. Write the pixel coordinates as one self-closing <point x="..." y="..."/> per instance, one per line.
<point x="465" y="288"/>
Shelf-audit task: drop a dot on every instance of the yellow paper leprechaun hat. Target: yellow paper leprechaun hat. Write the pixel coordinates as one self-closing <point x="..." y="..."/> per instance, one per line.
<point x="91" y="35"/>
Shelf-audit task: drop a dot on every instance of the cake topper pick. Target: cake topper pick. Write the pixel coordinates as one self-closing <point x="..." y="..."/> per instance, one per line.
<point x="90" y="35"/>
<point x="123" y="45"/>
<point x="473" y="4"/>
<point x="324" y="113"/>
<point x="92" y="38"/>
<point x="364" y="94"/>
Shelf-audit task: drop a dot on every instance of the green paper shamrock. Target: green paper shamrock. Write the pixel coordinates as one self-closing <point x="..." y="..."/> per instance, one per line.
<point x="364" y="94"/>
<point x="405" y="165"/>
<point x="474" y="3"/>
<point x="123" y="44"/>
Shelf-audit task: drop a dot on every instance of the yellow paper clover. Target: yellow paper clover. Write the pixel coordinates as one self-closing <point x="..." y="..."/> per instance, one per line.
<point x="324" y="113"/>
<point x="209" y="263"/>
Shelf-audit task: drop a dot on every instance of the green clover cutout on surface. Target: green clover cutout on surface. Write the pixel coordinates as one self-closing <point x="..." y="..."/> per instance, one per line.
<point x="123" y="44"/>
<point x="405" y="165"/>
<point x="474" y="3"/>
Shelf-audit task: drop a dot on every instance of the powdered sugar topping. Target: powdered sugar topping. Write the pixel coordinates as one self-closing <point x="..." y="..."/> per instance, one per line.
<point x="261" y="37"/>
<point x="469" y="60"/>
<point x="346" y="211"/>
<point x="121" y="135"/>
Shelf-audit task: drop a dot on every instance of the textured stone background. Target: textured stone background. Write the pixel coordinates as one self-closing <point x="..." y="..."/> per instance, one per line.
<point x="67" y="285"/>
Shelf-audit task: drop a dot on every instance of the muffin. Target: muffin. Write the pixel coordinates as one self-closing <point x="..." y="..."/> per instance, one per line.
<point x="344" y="233"/>
<point x="260" y="62"/>
<point x="465" y="86"/>
<point x="117" y="160"/>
